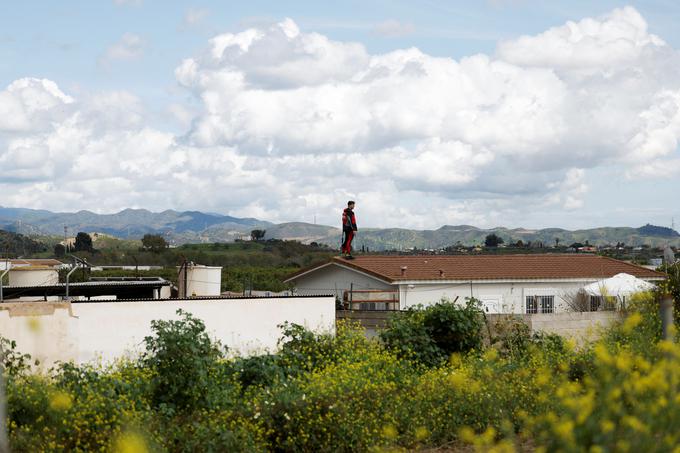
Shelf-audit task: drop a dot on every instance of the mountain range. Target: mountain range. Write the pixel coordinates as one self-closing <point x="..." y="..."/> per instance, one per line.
<point x="194" y="226"/>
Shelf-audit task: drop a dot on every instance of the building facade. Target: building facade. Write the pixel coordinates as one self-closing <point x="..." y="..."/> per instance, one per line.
<point x="541" y="283"/>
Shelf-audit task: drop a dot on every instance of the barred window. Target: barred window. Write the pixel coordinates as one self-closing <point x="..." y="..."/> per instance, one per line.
<point x="540" y="304"/>
<point x="607" y="303"/>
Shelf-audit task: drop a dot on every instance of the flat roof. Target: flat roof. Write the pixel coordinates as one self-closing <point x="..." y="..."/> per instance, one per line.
<point x="123" y="289"/>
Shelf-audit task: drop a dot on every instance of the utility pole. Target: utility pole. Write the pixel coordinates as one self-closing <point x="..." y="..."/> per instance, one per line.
<point x="666" y="312"/>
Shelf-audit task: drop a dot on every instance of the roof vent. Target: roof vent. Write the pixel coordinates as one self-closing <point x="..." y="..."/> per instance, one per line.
<point x="441" y="273"/>
<point x="403" y="270"/>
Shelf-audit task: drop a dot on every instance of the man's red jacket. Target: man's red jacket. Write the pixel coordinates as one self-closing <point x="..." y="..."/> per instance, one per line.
<point x="349" y="222"/>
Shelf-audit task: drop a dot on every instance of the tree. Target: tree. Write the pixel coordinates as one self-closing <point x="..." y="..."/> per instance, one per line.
<point x="557" y="242"/>
<point x="83" y="243"/>
<point x="154" y="242"/>
<point x="257" y="235"/>
<point x="492" y="240"/>
<point x="59" y="250"/>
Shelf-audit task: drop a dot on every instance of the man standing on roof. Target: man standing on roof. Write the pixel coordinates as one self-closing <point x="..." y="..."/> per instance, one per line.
<point x="349" y="227"/>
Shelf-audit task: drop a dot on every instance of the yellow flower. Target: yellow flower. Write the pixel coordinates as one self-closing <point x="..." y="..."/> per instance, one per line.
<point x="607" y="426"/>
<point x="632" y="321"/>
<point x="565" y="429"/>
<point x="421" y="433"/>
<point x="61" y="401"/>
<point x="467" y="434"/>
<point x="390" y="432"/>
<point x="130" y="442"/>
<point x="33" y="324"/>
<point x="490" y="355"/>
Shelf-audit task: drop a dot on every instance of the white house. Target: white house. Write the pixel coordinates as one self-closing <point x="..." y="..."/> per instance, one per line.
<point x="540" y="283"/>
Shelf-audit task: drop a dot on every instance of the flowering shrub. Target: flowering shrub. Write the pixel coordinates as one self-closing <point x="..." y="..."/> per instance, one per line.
<point x="344" y="392"/>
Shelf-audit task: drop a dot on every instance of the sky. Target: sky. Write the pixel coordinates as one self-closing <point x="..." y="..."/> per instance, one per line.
<point x="513" y="113"/>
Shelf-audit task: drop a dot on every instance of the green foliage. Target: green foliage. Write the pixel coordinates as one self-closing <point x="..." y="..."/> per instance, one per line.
<point x="14" y="363"/>
<point x="493" y="240"/>
<point x="431" y="334"/>
<point x="14" y="245"/>
<point x="257" y="235"/>
<point x="344" y="392"/>
<point x="83" y="243"/>
<point x="184" y="361"/>
<point x="155" y="243"/>
<point x="59" y="250"/>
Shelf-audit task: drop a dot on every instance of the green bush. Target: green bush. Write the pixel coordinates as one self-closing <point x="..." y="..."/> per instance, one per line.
<point x="184" y="362"/>
<point x="429" y="335"/>
<point x="14" y="363"/>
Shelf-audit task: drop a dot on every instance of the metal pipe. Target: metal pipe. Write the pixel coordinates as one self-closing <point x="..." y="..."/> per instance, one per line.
<point x="68" y="276"/>
<point x="666" y="312"/>
<point x="2" y="298"/>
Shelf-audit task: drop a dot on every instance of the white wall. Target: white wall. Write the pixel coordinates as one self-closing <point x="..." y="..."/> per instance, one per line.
<point x="23" y="276"/>
<point x="86" y="331"/>
<point x="335" y="279"/>
<point x="499" y="297"/>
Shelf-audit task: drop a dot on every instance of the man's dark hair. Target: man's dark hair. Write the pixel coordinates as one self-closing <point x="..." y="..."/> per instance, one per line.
<point x="350" y="202"/>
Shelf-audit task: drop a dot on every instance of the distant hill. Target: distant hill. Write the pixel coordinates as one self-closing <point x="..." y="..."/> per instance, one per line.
<point x="195" y="227"/>
<point x="186" y="226"/>
<point x="658" y="231"/>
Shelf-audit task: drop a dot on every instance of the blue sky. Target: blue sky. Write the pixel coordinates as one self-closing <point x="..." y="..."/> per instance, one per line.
<point x="120" y="60"/>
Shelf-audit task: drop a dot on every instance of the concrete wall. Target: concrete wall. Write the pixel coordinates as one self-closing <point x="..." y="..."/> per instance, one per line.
<point x="335" y="279"/>
<point x="575" y="325"/>
<point x="84" y="331"/>
<point x="580" y="326"/>
<point x="497" y="297"/>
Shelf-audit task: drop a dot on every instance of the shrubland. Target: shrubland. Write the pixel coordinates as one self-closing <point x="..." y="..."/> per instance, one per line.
<point x="434" y="380"/>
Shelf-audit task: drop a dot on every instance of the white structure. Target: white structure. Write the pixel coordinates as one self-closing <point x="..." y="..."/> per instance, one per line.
<point x="201" y="280"/>
<point x="539" y="283"/>
<point x="33" y="276"/>
<point x="620" y="285"/>
<point x="86" y="331"/>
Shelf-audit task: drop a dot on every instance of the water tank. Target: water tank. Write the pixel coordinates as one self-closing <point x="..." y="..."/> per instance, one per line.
<point x="33" y="276"/>
<point x="203" y="280"/>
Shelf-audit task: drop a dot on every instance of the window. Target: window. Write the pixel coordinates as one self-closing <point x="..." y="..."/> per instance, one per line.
<point x="602" y="303"/>
<point x="540" y="304"/>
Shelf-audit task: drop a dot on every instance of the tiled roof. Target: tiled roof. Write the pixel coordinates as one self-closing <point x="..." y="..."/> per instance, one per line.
<point x="493" y="267"/>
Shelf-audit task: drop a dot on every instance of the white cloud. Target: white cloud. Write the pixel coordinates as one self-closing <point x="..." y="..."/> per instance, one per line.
<point x="129" y="47"/>
<point x="289" y="124"/>
<point x="618" y="38"/>
<point x="394" y="29"/>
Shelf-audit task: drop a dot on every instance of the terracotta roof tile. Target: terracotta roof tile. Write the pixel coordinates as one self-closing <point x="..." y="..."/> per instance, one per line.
<point x="495" y="267"/>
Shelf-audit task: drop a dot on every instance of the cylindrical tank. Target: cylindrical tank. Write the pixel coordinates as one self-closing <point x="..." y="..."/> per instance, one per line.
<point x="204" y="280"/>
<point x="33" y="276"/>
